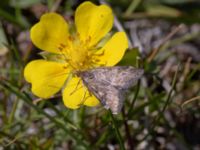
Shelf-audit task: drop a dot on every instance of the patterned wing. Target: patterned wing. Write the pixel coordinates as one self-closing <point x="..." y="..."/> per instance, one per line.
<point x="109" y="96"/>
<point x="109" y="84"/>
<point x="122" y="77"/>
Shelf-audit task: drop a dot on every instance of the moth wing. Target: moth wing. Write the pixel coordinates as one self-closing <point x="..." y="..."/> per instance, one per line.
<point x="122" y="77"/>
<point x="109" y="96"/>
<point x="108" y="84"/>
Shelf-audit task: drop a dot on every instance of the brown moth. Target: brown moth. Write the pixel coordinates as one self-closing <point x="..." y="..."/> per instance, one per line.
<point x="109" y="84"/>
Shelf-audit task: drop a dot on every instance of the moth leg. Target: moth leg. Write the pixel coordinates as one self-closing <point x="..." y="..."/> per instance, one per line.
<point x="90" y="94"/>
<point x="84" y="98"/>
<point x="76" y="88"/>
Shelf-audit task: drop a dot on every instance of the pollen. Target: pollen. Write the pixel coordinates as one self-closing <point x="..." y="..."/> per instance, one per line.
<point x="78" y="54"/>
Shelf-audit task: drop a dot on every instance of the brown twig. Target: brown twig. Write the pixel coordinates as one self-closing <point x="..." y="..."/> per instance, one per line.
<point x="189" y="101"/>
<point x="55" y="5"/>
<point x="166" y="39"/>
<point x="36" y="101"/>
<point x="186" y="71"/>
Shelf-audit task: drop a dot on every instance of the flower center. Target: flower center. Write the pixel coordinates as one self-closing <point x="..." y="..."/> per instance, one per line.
<point x="78" y="54"/>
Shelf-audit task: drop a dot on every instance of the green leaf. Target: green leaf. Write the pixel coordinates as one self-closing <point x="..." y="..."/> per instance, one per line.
<point x="150" y="67"/>
<point x="178" y="1"/>
<point x="3" y="42"/>
<point x="162" y="11"/>
<point x="130" y="57"/>
<point x="23" y="3"/>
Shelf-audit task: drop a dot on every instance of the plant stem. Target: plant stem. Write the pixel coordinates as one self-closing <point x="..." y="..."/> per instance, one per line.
<point x="119" y="137"/>
<point x="134" y="99"/>
<point x="26" y="98"/>
<point x="130" y="140"/>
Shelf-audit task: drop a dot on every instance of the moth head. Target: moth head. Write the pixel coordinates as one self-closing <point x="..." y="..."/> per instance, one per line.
<point x="85" y="75"/>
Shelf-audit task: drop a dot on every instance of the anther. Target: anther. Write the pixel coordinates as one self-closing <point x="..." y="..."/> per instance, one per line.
<point x="78" y="35"/>
<point x="62" y="45"/>
<point x="100" y="54"/>
<point x="70" y="38"/>
<point x="89" y="38"/>
<point x="64" y="67"/>
<point x="60" y="48"/>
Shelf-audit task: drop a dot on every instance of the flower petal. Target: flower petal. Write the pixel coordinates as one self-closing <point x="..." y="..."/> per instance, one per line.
<point x="46" y="77"/>
<point x="75" y="94"/>
<point x="114" y="49"/>
<point x="93" y="22"/>
<point x="50" y="32"/>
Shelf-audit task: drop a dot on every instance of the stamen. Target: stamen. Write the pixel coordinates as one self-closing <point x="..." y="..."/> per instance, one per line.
<point x="78" y="35"/>
<point x="65" y="67"/>
<point x="95" y="60"/>
<point x="71" y="38"/>
<point x="63" y="46"/>
<point x="60" y="48"/>
<point x="100" y="54"/>
<point x="88" y="39"/>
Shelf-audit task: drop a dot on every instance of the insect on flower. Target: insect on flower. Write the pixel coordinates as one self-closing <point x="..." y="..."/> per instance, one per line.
<point x="109" y="84"/>
<point x="68" y="52"/>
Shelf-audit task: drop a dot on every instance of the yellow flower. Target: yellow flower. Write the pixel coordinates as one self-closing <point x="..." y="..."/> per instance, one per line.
<point x="77" y="51"/>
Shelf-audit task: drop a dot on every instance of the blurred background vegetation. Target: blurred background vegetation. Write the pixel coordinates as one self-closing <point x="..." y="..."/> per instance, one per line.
<point x="161" y="112"/>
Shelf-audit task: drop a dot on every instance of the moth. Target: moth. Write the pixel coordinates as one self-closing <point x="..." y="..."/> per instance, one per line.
<point x="110" y="84"/>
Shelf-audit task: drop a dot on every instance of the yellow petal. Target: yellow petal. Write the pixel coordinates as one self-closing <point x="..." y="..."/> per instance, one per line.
<point x="75" y="94"/>
<point x="50" y="32"/>
<point x="114" y="49"/>
<point x="93" y="22"/>
<point x="46" y="77"/>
